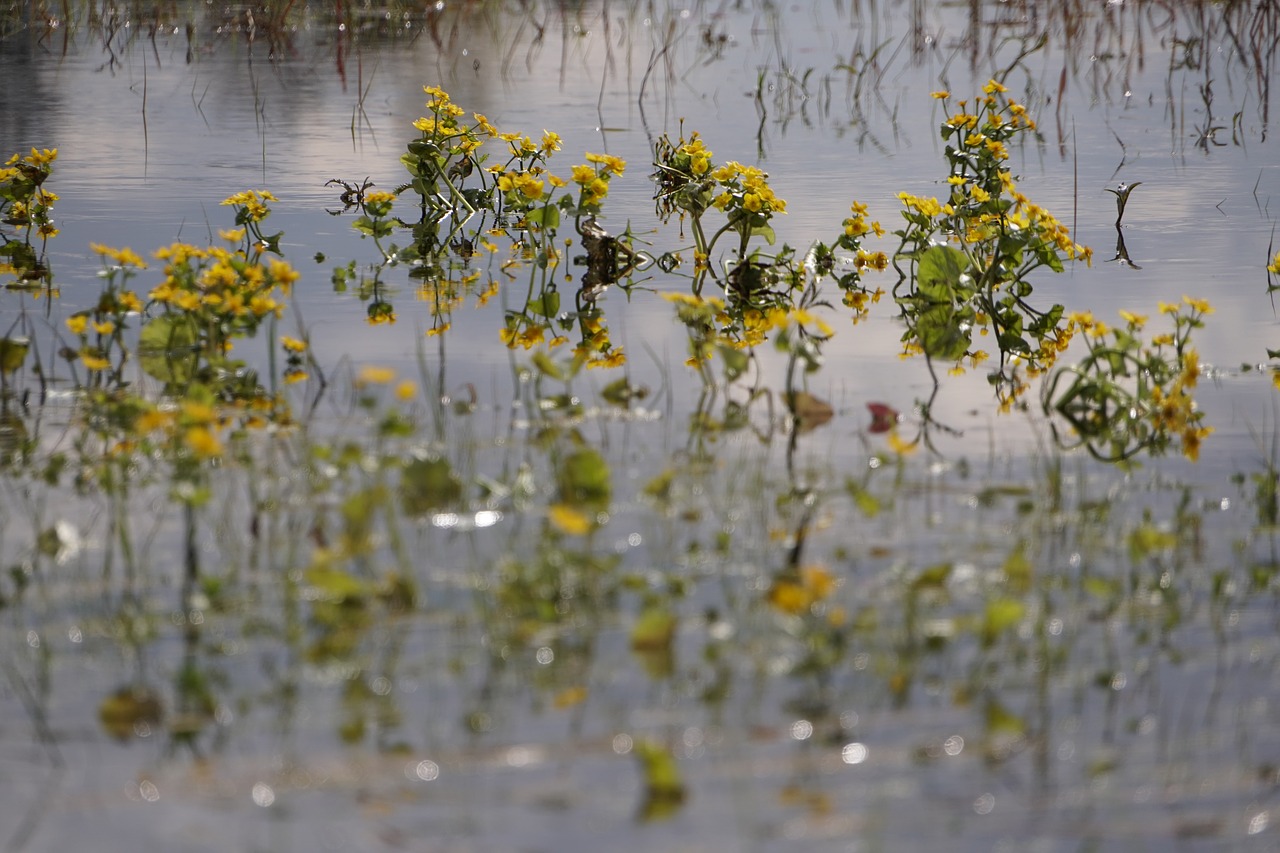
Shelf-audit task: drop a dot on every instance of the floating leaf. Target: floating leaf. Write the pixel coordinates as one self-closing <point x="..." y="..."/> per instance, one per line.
<point x="129" y="710"/>
<point x="810" y="412"/>
<point x="883" y="417"/>
<point x="13" y="352"/>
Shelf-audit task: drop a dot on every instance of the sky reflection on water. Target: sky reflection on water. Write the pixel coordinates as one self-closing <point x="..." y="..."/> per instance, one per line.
<point x="340" y="106"/>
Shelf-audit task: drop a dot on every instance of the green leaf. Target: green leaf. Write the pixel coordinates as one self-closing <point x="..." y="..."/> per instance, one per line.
<point x="583" y="479"/>
<point x="943" y="333"/>
<point x="13" y="352"/>
<point x="167" y="348"/>
<point x="335" y="585"/>
<point x="938" y="274"/>
<point x="547" y="305"/>
<point x="663" y="787"/>
<point x="547" y="216"/>
<point x="429" y="484"/>
<point x="934" y="577"/>
<point x="735" y="361"/>
<point x="547" y="365"/>
<point x="1017" y="568"/>
<point x="654" y="630"/>
<point x="1001" y="614"/>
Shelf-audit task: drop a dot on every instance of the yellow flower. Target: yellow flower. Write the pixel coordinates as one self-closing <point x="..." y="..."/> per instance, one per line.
<point x="1201" y="305"/>
<point x="992" y="87"/>
<point x="406" y="390"/>
<point x="293" y="344"/>
<point x="104" y="328"/>
<point x="77" y="323"/>
<point x="616" y="165"/>
<point x="941" y="95"/>
<point x="202" y="442"/>
<point x="128" y="301"/>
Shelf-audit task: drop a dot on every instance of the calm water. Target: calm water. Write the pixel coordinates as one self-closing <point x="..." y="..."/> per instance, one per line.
<point x="1133" y="705"/>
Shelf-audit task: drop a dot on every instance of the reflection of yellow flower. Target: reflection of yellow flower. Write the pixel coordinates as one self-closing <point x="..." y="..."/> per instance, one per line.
<point x="1190" y="368"/>
<point x="614" y="358"/>
<point x="1191" y="438"/>
<point x="94" y="362"/>
<point x="569" y="520"/>
<point x="203" y="443"/>
<point x="899" y="445"/>
<point x="797" y="594"/>
<point x="372" y="375"/>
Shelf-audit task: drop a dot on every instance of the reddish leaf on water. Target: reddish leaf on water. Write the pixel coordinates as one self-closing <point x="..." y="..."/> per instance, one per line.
<point x="883" y="418"/>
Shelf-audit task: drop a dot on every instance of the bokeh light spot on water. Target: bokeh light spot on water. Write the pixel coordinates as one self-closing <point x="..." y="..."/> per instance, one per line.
<point x="853" y="753"/>
<point x="953" y="745"/>
<point x="984" y="804"/>
<point x="545" y="655"/>
<point x="263" y="795"/>
<point x="622" y="744"/>
<point x="148" y="791"/>
<point x="426" y="770"/>
<point x="1258" y="822"/>
<point x="801" y="730"/>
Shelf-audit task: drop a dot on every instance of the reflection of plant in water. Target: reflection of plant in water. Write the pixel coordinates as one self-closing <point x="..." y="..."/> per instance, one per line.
<point x="1129" y="395"/>
<point x="26" y="206"/>
<point x="969" y="258"/>
<point x="102" y="350"/>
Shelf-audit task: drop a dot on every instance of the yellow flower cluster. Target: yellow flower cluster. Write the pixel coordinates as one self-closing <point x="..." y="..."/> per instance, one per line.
<point x="594" y="180"/>
<point x="252" y="204"/>
<point x="745" y="187"/>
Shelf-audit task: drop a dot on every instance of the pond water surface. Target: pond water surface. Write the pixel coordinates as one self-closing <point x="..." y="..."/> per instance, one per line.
<point x="495" y="610"/>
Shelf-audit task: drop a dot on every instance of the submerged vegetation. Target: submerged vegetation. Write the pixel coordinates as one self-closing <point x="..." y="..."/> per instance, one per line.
<point x="399" y="582"/>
